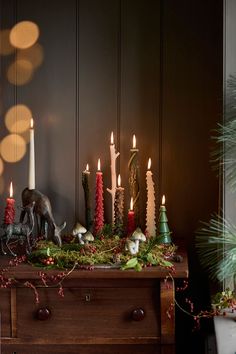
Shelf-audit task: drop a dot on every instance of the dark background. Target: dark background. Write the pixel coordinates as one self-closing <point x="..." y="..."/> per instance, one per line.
<point x="149" y="67"/>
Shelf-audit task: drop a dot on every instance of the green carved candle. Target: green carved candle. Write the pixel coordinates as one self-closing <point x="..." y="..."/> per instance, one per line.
<point x="163" y="228"/>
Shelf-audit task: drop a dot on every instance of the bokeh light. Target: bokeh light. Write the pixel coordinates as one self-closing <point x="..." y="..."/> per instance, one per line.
<point x="26" y="136"/>
<point x="12" y="148"/>
<point x="33" y="54"/>
<point x="5" y="46"/>
<point x="24" y="34"/>
<point x="20" y="72"/>
<point x="1" y="166"/>
<point x="17" y="118"/>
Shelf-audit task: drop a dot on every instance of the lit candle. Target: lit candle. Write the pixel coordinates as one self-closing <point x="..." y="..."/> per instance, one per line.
<point x="85" y="184"/>
<point x="131" y="219"/>
<point x="31" y="157"/>
<point x="119" y="209"/>
<point x="134" y="178"/>
<point x="10" y="210"/>
<point x="112" y="190"/>
<point x="99" y="208"/>
<point x="150" y="211"/>
<point x="163" y="228"/>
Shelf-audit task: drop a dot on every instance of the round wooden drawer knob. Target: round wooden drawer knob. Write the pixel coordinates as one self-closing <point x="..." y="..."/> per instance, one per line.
<point x="43" y="314"/>
<point x="138" y="314"/>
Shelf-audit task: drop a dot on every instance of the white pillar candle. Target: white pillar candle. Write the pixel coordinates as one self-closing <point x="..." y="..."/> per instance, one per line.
<point x="31" y="184"/>
<point x="112" y="190"/>
<point x="150" y="211"/>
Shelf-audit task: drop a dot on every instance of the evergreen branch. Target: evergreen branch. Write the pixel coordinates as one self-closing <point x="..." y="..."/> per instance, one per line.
<point x="216" y="245"/>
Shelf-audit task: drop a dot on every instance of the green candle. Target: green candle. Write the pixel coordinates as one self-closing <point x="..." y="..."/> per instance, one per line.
<point x="163" y="228"/>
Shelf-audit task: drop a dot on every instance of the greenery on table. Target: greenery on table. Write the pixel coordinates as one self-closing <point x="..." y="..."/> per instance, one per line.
<point x="107" y="250"/>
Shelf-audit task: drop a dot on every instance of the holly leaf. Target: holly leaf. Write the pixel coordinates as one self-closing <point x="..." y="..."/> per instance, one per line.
<point x="151" y="259"/>
<point x="138" y="267"/>
<point x="48" y="252"/>
<point x="130" y="264"/>
<point x="165" y="263"/>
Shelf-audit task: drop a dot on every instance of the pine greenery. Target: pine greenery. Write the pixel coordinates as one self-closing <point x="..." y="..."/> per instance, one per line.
<point x="216" y="240"/>
<point x="216" y="244"/>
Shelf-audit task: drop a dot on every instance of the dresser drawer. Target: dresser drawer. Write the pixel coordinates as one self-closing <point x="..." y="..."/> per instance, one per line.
<point x="86" y="315"/>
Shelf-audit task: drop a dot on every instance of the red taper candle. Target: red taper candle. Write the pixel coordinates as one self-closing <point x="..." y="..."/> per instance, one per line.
<point x="131" y="219"/>
<point x="99" y="207"/>
<point x="10" y="209"/>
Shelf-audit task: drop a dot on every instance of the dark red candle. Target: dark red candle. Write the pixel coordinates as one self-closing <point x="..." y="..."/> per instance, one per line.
<point x="99" y="208"/>
<point x="10" y="208"/>
<point x="131" y="219"/>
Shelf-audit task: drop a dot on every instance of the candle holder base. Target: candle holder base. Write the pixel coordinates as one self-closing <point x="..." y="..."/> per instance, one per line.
<point x="19" y="234"/>
<point x="164" y="238"/>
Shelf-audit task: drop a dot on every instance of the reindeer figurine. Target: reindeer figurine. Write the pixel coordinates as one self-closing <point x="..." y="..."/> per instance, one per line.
<point x="43" y="209"/>
<point x="19" y="229"/>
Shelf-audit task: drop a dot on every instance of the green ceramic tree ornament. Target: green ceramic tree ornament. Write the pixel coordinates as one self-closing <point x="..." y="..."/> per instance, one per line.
<point x="163" y="228"/>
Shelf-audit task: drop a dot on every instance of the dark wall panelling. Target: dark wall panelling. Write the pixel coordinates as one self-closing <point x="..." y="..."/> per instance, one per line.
<point x="51" y="97"/>
<point x="192" y="104"/>
<point x="98" y="43"/>
<point x="150" y="68"/>
<point x="7" y="94"/>
<point x="140" y="89"/>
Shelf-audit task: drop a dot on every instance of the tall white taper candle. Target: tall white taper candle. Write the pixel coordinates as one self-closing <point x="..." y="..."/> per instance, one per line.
<point x="151" y="212"/>
<point x="31" y="184"/>
<point x="112" y="190"/>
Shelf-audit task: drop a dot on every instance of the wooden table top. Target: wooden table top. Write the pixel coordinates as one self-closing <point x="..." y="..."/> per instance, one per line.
<point x="26" y="271"/>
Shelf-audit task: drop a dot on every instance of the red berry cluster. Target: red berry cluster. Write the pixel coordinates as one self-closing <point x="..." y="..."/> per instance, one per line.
<point x="48" y="261"/>
<point x="184" y="287"/>
<point x="86" y="267"/>
<point x="5" y="282"/>
<point x="52" y="279"/>
<point x="17" y="260"/>
<point x="91" y="248"/>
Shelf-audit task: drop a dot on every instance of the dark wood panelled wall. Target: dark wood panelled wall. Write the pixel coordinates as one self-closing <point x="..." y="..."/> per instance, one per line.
<point x="152" y="68"/>
<point x="149" y="67"/>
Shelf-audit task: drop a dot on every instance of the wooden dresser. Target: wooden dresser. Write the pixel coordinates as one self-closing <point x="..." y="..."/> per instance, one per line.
<point x="103" y="311"/>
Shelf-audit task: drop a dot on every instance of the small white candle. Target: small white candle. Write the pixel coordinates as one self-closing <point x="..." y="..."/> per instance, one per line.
<point x="134" y="141"/>
<point x="31" y="184"/>
<point x="150" y="211"/>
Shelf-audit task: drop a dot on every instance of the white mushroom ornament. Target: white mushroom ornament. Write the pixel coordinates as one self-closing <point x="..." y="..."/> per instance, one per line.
<point x="132" y="245"/>
<point x="79" y="230"/>
<point x="87" y="237"/>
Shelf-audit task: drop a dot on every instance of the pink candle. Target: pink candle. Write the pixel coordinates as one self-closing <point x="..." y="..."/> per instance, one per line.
<point x="10" y="210"/>
<point x="99" y="208"/>
<point x="131" y="219"/>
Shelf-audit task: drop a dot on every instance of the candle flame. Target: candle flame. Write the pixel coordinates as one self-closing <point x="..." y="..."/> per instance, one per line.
<point x="31" y="123"/>
<point x="131" y="203"/>
<point x="112" y="138"/>
<point x="119" y="181"/>
<point x="99" y="165"/>
<point x="149" y="163"/>
<point x="163" y="200"/>
<point x="87" y="167"/>
<point x="134" y="141"/>
<point x="11" y="190"/>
